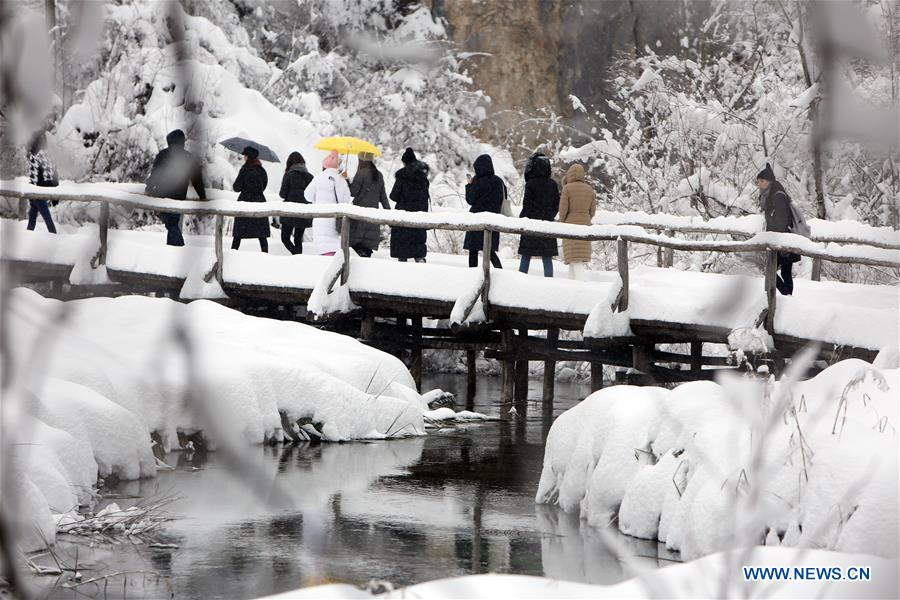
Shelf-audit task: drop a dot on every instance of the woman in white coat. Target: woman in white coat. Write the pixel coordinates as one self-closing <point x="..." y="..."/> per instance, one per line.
<point x="328" y="187"/>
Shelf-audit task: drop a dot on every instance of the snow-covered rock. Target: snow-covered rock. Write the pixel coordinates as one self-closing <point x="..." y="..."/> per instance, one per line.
<point x="113" y="371"/>
<point x="708" y="467"/>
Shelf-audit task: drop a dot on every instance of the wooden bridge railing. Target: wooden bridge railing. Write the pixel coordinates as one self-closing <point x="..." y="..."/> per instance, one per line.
<point x="874" y="252"/>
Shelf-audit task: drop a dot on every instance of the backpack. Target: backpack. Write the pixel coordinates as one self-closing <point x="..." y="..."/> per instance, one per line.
<point x="506" y="207"/>
<point x="798" y="221"/>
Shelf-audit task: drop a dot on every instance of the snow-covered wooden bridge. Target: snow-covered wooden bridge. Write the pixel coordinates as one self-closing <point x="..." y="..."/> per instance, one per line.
<point x="623" y="315"/>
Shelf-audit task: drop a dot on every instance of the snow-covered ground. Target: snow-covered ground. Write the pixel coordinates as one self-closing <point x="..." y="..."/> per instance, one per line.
<point x="708" y="467"/>
<point x="94" y="379"/>
<point x="837" y="313"/>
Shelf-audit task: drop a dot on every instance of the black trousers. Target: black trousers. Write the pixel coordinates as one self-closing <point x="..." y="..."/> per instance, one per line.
<point x="172" y="221"/>
<point x="473" y="259"/>
<point x="292" y="238"/>
<point x="785" y="282"/>
<point x="42" y="207"/>
<point x="263" y="244"/>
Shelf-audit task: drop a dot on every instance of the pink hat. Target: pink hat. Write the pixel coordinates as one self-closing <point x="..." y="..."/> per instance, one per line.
<point x="331" y="161"/>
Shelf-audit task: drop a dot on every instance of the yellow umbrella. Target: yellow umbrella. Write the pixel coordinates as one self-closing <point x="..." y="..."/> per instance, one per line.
<point x="347" y="145"/>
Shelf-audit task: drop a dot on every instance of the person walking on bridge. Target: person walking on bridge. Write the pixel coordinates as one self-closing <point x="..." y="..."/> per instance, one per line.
<point x="484" y="193"/>
<point x="42" y="173"/>
<point x="294" y="183"/>
<point x="541" y="202"/>
<point x="328" y="187"/>
<point x="410" y="193"/>
<point x="251" y="182"/>
<point x="578" y="206"/>
<point x="776" y="205"/>
<point x="173" y="169"/>
<point x="367" y="189"/>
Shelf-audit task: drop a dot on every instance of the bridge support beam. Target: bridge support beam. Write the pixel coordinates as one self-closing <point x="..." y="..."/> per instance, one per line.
<point x="507" y="374"/>
<point x="769" y="279"/>
<point x="470" y="379"/>
<point x="521" y="392"/>
<point x="416" y="360"/>
<point x="596" y="376"/>
<point x="696" y="357"/>
<point x="550" y="369"/>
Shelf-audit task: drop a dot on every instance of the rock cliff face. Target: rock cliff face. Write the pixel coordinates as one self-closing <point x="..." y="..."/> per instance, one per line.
<point x="540" y="51"/>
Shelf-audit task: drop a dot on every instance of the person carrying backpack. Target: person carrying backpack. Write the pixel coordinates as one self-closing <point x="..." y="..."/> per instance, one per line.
<point x="779" y="214"/>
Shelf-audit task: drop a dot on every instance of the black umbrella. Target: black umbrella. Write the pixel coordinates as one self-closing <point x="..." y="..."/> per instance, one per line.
<point x="237" y="144"/>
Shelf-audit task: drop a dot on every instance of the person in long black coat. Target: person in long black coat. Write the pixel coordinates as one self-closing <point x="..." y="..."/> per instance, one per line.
<point x="541" y="202"/>
<point x="251" y="182"/>
<point x="367" y="189"/>
<point x="293" y="184"/>
<point x="410" y="192"/>
<point x="173" y="169"/>
<point x="776" y="205"/>
<point x="484" y="193"/>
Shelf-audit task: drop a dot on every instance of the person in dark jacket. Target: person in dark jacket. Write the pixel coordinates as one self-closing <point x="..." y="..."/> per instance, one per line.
<point x="173" y="168"/>
<point x="367" y="189"/>
<point x="293" y="184"/>
<point x="410" y="192"/>
<point x="484" y="193"/>
<point x="250" y="182"/>
<point x="776" y="205"/>
<point x="42" y="173"/>
<point x="541" y="202"/>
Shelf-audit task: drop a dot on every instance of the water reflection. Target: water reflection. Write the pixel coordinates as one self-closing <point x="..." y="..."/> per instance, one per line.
<point x="458" y="501"/>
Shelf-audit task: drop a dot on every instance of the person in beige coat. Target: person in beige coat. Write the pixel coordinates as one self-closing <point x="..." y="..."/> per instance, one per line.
<point x="577" y="205"/>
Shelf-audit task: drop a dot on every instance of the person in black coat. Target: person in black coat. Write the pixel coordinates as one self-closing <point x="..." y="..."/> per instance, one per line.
<point x="367" y="189"/>
<point x="173" y="168"/>
<point x="42" y="173"/>
<point x="541" y="202"/>
<point x="250" y="182"/>
<point x="410" y="192"/>
<point x="293" y="184"/>
<point x="484" y="193"/>
<point x="776" y="205"/>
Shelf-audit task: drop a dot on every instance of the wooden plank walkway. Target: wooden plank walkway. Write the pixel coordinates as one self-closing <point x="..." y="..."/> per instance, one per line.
<point x="407" y="308"/>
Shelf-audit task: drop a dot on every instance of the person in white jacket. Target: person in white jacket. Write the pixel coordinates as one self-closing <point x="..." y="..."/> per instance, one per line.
<point x="328" y="187"/>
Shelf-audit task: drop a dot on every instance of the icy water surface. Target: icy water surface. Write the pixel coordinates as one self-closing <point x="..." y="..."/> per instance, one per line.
<point x="456" y="502"/>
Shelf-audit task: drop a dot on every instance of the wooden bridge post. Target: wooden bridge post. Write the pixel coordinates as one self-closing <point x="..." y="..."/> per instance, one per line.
<point x="816" y="274"/>
<point x="345" y="249"/>
<point x="669" y="253"/>
<point x="621" y="304"/>
<point x="104" y="233"/>
<point x="550" y="367"/>
<point x="666" y="256"/>
<point x="521" y="392"/>
<point x="416" y="361"/>
<point x="596" y="376"/>
<point x="486" y="267"/>
<point x="770" y="278"/>
<point x="470" y="378"/>
<point x="367" y="329"/>
<point x="220" y="254"/>
<point x="507" y="372"/>
<point x="696" y="357"/>
<point x="23" y="209"/>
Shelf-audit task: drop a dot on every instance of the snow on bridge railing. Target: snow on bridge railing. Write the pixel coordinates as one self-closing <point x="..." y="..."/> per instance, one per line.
<point x="874" y="246"/>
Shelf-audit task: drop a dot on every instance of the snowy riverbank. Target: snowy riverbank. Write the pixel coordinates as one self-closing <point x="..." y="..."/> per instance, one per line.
<point x="716" y="576"/>
<point x="95" y="378"/>
<point x="708" y="467"/>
